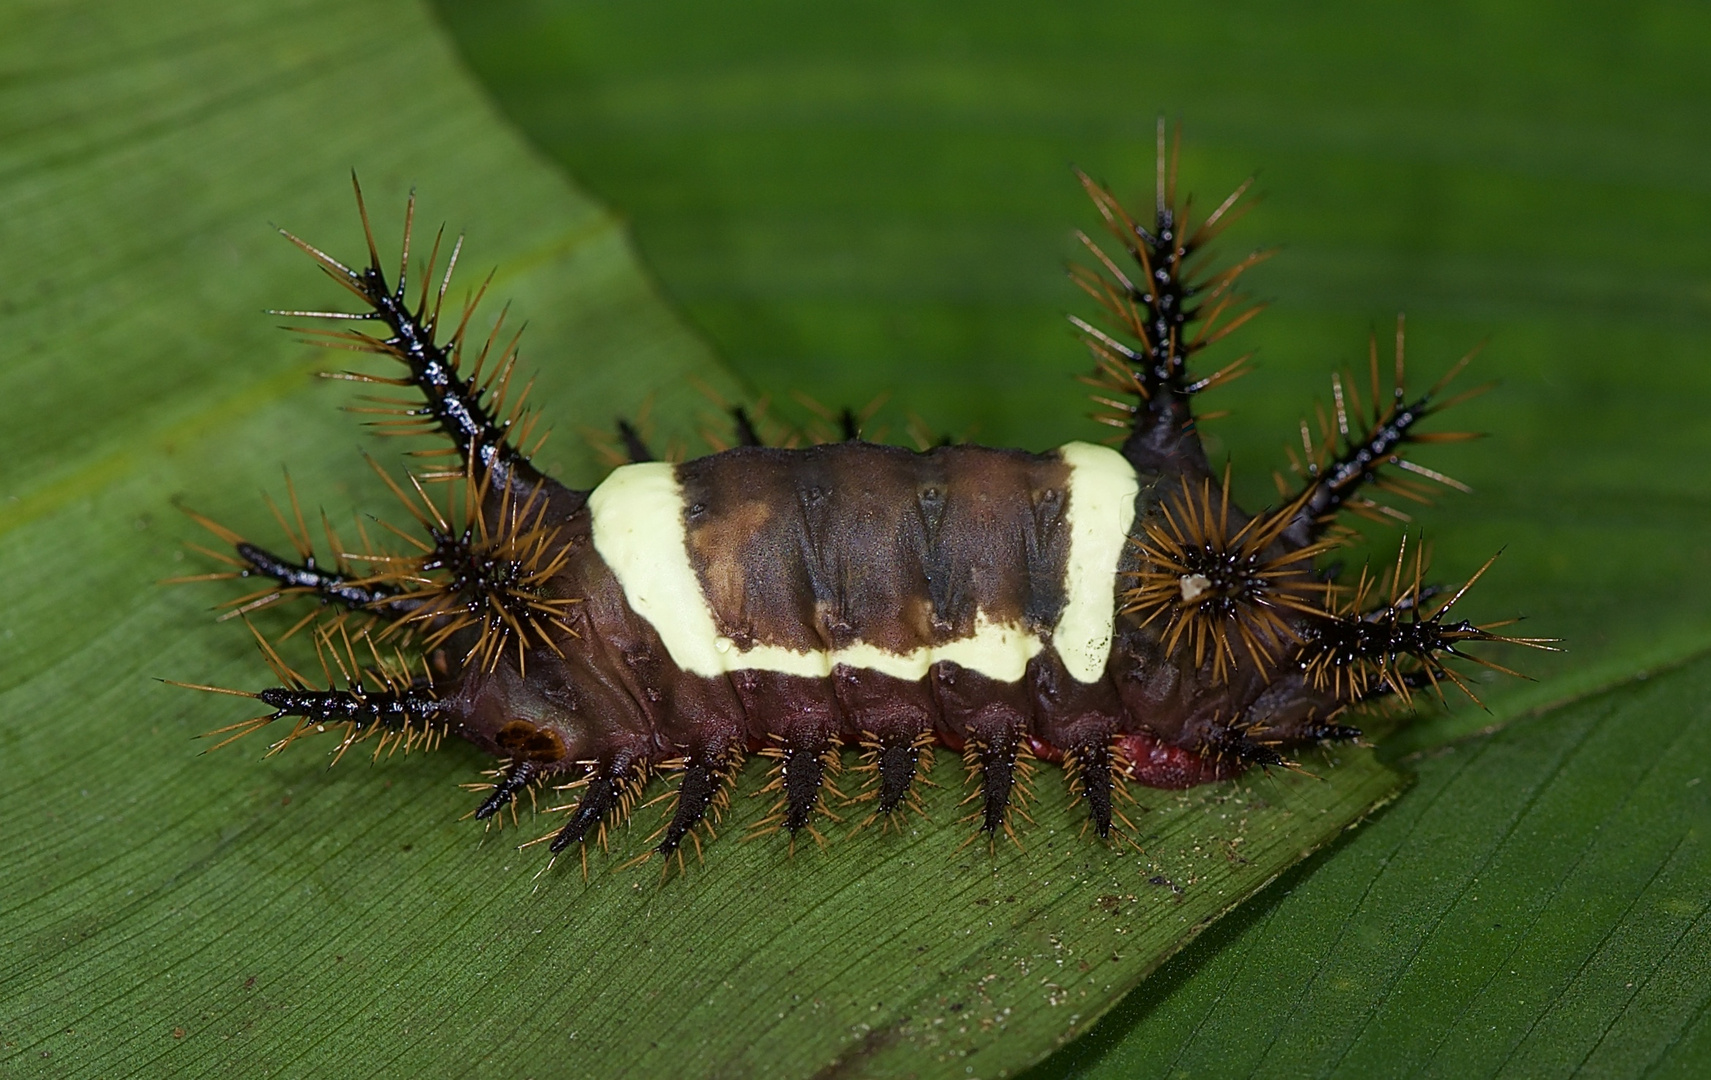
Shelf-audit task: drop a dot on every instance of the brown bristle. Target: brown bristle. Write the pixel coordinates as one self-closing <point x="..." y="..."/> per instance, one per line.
<point x="1219" y="584"/>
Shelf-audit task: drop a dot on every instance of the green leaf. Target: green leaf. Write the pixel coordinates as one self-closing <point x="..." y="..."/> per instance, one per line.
<point x="1535" y="906"/>
<point x="877" y="198"/>
<point x="167" y="913"/>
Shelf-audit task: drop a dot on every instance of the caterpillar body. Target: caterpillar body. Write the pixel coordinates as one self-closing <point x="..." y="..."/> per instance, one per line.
<point x="1107" y="609"/>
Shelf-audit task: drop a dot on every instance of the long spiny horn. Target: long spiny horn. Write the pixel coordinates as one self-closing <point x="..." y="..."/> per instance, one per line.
<point x="1161" y="317"/>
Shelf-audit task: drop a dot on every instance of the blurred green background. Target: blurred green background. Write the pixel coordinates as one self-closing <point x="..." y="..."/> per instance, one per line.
<point x="853" y="201"/>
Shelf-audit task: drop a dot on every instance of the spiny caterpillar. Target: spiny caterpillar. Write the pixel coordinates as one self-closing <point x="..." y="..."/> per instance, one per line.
<point x="1109" y="610"/>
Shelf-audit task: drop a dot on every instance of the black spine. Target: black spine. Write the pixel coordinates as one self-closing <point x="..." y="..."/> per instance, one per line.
<point x="997" y="780"/>
<point x="1093" y="763"/>
<point x="746" y="433"/>
<point x="898" y="761"/>
<point x="453" y="403"/>
<point x="512" y="781"/>
<point x="804" y="771"/>
<point x="694" y="797"/>
<point x="330" y="586"/>
<point x="604" y="790"/>
<point x="394" y="710"/>
<point x="1168" y="312"/>
<point x="635" y="447"/>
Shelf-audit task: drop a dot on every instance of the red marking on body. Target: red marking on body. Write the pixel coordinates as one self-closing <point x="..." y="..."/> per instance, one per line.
<point x="1161" y="765"/>
<point x="1043" y="750"/>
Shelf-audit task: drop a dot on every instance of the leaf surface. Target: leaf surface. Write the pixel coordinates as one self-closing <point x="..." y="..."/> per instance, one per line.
<point x="168" y="913"/>
<point x="1535" y="906"/>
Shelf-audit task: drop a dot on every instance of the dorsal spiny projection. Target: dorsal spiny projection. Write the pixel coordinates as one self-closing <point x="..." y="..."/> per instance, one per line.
<point x="1169" y="311"/>
<point x="473" y="408"/>
<point x="1362" y="446"/>
<point x="1109" y="611"/>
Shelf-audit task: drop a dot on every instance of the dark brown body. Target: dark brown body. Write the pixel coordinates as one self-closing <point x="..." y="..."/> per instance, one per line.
<point x="855" y="542"/>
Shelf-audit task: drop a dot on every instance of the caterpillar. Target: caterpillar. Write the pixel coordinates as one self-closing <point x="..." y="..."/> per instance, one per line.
<point x="1105" y="608"/>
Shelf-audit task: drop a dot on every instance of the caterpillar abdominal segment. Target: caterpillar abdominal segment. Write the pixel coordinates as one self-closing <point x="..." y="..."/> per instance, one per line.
<point x="1109" y="611"/>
